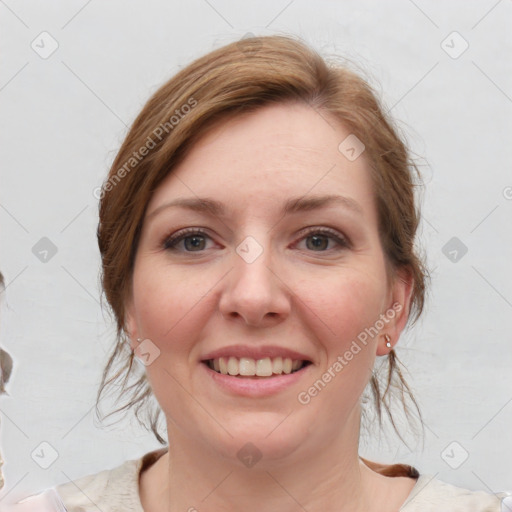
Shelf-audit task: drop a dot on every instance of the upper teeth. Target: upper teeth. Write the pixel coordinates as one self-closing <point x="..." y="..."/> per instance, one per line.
<point x="259" y="367"/>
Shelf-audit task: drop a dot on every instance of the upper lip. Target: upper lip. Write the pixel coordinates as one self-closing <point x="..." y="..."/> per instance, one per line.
<point x="253" y="352"/>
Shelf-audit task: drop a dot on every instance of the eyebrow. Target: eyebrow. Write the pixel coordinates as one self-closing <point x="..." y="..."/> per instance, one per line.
<point x="293" y="205"/>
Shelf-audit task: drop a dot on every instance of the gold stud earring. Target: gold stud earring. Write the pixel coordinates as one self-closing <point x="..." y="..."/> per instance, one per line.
<point x="388" y="340"/>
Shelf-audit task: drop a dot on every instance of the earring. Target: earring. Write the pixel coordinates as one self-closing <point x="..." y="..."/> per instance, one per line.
<point x="388" y="340"/>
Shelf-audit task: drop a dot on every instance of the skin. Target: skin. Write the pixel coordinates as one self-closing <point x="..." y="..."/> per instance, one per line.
<point x="311" y="298"/>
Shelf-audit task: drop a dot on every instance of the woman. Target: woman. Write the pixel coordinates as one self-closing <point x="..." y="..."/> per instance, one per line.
<point x="257" y="240"/>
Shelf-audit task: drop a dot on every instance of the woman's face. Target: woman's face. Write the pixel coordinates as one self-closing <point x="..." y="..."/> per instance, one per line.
<point x="262" y="247"/>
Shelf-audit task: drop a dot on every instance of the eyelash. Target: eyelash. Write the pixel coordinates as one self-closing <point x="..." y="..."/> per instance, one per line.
<point x="170" y="242"/>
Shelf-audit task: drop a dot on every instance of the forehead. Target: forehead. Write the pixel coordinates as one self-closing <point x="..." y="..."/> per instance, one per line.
<point x="277" y="151"/>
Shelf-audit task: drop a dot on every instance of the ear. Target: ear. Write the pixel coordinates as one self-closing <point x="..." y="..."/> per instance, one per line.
<point x="130" y="323"/>
<point x="399" y="307"/>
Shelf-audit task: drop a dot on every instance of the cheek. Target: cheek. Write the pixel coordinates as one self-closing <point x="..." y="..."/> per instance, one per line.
<point x="346" y="305"/>
<point x="170" y="310"/>
<point x="155" y="300"/>
<point x="169" y="305"/>
<point x="340" y="315"/>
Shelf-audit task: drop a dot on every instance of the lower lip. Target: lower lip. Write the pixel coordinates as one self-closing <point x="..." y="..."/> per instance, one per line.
<point x="255" y="387"/>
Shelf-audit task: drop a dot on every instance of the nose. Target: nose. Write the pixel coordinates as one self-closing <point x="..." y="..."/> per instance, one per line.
<point x="254" y="293"/>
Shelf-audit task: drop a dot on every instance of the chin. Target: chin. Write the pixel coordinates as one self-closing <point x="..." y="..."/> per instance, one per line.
<point x="261" y="436"/>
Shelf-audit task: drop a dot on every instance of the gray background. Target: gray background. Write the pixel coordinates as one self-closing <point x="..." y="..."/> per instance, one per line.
<point x="64" y="117"/>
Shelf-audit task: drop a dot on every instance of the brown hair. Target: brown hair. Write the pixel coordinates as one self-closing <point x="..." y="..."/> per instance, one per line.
<point x="239" y="78"/>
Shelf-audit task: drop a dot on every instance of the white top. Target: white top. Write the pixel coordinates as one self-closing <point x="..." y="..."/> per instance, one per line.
<point x="117" y="490"/>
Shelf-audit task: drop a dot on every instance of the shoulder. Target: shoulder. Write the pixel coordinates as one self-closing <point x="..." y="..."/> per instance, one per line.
<point x="433" y="495"/>
<point x="107" y="491"/>
<point x="113" y="489"/>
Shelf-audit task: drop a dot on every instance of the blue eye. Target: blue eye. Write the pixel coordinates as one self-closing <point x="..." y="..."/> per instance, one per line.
<point x="194" y="240"/>
<point x="318" y="239"/>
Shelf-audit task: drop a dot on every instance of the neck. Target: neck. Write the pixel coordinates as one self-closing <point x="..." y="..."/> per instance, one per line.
<point x="329" y="476"/>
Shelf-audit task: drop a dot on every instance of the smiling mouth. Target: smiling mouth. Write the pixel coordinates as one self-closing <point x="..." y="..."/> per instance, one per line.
<point x="247" y="367"/>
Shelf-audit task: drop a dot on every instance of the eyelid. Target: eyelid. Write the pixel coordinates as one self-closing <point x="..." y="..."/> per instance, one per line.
<point x="340" y="238"/>
<point x="178" y="236"/>
<point x="170" y="241"/>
